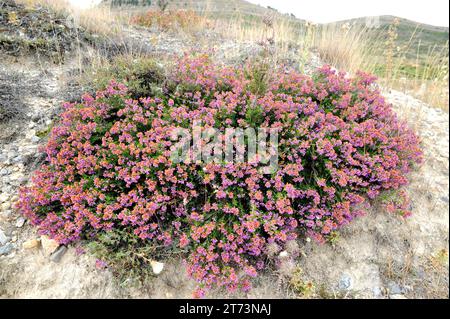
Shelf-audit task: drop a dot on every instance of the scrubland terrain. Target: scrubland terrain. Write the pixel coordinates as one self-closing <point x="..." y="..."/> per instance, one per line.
<point x="50" y="54"/>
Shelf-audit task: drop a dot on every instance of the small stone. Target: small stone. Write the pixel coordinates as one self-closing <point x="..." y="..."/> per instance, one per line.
<point x="30" y="244"/>
<point x="157" y="267"/>
<point x="58" y="254"/>
<point x="397" y="297"/>
<point x="394" y="288"/>
<point x="48" y="245"/>
<point x="31" y="133"/>
<point x="377" y="292"/>
<point x="6" y="249"/>
<point x="4" y="197"/>
<point x="3" y="238"/>
<point x="346" y="282"/>
<point x="420" y="273"/>
<point x="284" y="254"/>
<point x="445" y="199"/>
<point x="35" y="139"/>
<point x="17" y="159"/>
<point x="16" y="176"/>
<point x="20" y="222"/>
<point x="6" y="206"/>
<point x="6" y="214"/>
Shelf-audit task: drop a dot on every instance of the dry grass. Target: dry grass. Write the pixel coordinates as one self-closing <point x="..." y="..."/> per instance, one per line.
<point x="354" y="47"/>
<point x="433" y="281"/>
<point x="345" y="47"/>
<point x="429" y="81"/>
<point x="176" y="20"/>
<point x="348" y="47"/>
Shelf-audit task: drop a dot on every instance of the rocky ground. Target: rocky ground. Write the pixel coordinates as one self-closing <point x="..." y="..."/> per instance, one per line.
<point x="377" y="256"/>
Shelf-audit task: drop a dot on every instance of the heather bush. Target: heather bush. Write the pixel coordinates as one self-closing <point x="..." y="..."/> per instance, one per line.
<point x="186" y="20"/>
<point x="109" y="168"/>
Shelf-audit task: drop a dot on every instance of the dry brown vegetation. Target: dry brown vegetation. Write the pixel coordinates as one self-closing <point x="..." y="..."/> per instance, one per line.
<point x="348" y="46"/>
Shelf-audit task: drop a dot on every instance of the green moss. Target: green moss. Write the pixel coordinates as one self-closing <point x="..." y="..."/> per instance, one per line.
<point x="45" y="132"/>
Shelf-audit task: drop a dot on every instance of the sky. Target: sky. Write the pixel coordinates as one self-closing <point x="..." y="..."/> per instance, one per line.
<point x="434" y="12"/>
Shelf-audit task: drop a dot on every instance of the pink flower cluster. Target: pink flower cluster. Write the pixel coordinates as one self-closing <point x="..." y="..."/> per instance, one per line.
<point x="108" y="166"/>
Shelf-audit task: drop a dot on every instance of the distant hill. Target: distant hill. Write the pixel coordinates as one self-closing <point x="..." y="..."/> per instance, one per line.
<point x="410" y="33"/>
<point x="424" y="34"/>
<point x="221" y="7"/>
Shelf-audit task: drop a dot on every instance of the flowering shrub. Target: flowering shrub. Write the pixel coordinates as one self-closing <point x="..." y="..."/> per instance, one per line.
<point x="170" y="20"/>
<point x="109" y="167"/>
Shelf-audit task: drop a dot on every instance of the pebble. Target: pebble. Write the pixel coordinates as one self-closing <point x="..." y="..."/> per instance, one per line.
<point x="394" y="288"/>
<point x="16" y="176"/>
<point x="4" y="197"/>
<point x="48" y="245"/>
<point x="5" y="206"/>
<point x="157" y="267"/>
<point x="17" y="159"/>
<point x="377" y="292"/>
<point x="3" y="238"/>
<point x="35" y="139"/>
<point x="20" y="222"/>
<point x="5" y="214"/>
<point x="58" y="254"/>
<point x="30" y="244"/>
<point x="6" y="249"/>
<point x="397" y="297"/>
<point x="346" y="282"/>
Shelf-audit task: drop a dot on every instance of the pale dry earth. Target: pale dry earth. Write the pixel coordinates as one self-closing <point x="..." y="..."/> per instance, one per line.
<point x="377" y="256"/>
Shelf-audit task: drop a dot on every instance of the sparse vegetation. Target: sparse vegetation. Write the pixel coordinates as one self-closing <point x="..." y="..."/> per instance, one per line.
<point x="109" y="182"/>
<point x="177" y="20"/>
<point x="393" y="52"/>
<point x="301" y="287"/>
<point x="142" y="75"/>
<point x="36" y="30"/>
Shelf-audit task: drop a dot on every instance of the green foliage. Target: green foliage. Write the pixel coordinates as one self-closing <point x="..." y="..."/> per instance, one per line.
<point x="301" y="287"/>
<point x="143" y="76"/>
<point x="45" y="132"/>
<point x="123" y="254"/>
<point x="259" y="77"/>
<point x="254" y="116"/>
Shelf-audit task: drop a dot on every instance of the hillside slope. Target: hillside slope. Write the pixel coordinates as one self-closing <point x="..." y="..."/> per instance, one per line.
<point x="414" y="34"/>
